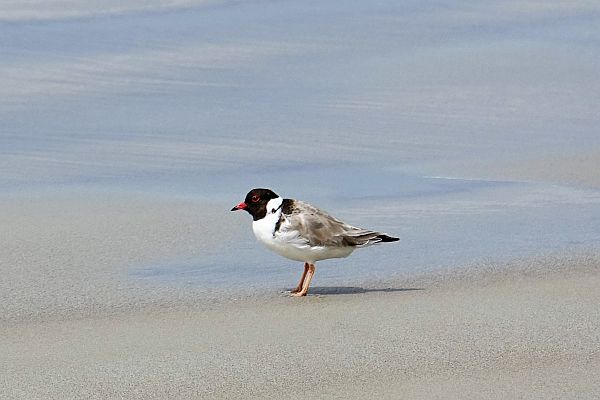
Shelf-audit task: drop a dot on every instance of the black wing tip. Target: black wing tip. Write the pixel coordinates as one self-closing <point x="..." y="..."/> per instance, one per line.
<point x="386" y="238"/>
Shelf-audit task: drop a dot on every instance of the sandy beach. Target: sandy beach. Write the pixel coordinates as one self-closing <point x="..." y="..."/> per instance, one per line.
<point x="76" y="324"/>
<point x="515" y="334"/>
<point x="469" y="130"/>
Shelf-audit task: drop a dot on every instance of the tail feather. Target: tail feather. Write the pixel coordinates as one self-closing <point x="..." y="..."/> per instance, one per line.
<point x="367" y="238"/>
<point x="385" y="238"/>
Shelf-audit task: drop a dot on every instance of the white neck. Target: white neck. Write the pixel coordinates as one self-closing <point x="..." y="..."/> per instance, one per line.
<point x="265" y="227"/>
<point x="274" y="206"/>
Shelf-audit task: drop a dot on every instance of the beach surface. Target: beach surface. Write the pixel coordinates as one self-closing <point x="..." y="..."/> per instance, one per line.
<point x="521" y="332"/>
<point x="81" y="319"/>
<point x="129" y="129"/>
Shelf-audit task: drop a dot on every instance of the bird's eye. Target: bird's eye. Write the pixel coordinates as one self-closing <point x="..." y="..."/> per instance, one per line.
<point x="255" y="198"/>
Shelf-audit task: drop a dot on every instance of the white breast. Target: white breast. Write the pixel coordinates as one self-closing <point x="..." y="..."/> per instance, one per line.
<point x="288" y="243"/>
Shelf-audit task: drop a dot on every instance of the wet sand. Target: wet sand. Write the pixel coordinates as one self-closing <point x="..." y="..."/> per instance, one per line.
<point x="571" y="168"/>
<point x="76" y="325"/>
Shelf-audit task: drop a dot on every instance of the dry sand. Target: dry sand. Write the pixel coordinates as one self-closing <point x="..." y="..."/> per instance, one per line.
<point x="510" y="338"/>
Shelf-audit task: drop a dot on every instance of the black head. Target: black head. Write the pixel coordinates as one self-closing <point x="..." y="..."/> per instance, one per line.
<point x="256" y="202"/>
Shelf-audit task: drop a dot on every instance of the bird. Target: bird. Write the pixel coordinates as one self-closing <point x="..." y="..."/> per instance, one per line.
<point x="302" y="232"/>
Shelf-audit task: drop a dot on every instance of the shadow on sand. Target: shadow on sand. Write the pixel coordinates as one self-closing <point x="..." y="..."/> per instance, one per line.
<point x="333" y="290"/>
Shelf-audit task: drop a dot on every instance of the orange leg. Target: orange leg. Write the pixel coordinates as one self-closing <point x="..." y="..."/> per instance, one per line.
<point x="301" y="283"/>
<point x="306" y="283"/>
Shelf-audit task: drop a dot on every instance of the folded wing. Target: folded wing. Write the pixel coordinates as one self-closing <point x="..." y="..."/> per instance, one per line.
<point x="317" y="228"/>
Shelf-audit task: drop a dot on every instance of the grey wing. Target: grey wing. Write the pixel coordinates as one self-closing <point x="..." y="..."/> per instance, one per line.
<point x="318" y="228"/>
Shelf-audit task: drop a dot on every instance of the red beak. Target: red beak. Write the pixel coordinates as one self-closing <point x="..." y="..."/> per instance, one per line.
<point x="241" y="206"/>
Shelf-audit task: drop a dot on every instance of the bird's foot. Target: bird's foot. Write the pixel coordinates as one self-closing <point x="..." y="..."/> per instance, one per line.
<point x="297" y="294"/>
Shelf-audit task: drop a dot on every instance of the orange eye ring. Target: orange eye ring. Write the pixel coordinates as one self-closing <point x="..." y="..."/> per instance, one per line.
<point x="255" y="198"/>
